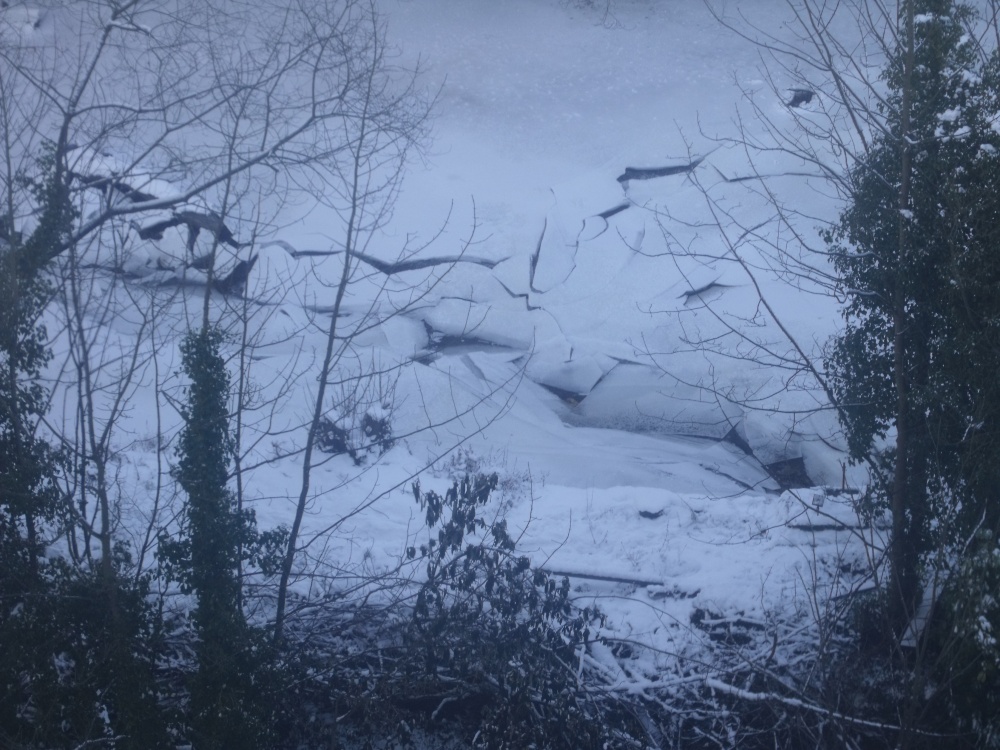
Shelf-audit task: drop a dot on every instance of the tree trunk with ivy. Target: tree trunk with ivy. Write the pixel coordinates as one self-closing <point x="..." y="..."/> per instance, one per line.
<point x="225" y="708"/>
<point x="915" y="365"/>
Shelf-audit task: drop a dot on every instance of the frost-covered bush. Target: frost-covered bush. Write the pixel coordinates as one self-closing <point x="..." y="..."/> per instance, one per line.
<point x="493" y="642"/>
<point x="360" y="438"/>
<point x="76" y="673"/>
<point x="965" y="641"/>
<point x="334" y="439"/>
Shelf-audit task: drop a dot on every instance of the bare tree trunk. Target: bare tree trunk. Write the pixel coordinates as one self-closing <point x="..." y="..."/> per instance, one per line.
<point x="326" y="368"/>
<point x="902" y="554"/>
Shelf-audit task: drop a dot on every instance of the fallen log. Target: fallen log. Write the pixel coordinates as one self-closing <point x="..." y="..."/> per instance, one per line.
<point x="596" y="577"/>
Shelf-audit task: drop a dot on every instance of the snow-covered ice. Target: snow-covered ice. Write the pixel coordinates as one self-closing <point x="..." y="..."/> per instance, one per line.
<point x="599" y="365"/>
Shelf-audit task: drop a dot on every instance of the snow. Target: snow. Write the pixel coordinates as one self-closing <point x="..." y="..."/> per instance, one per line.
<point x="20" y="20"/>
<point x="597" y="367"/>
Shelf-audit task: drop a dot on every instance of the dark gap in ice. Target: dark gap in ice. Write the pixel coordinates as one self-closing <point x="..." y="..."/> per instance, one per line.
<point x="387" y="267"/>
<point x="693" y="293"/>
<point x="536" y="256"/>
<point x="106" y="183"/>
<point x="733" y="437"/>
<point x="800" y="97"/>
<point x="570" y="397"/>
<point x="445" y="344"/>
<point x="789" y="473"/>
<point x="195" y="221"/>
<point x="236" y="281"/>
<point x="515" y="295"/>
<point x="649" y="173"/>
<point x="614" y="211"/>
<point x="718" y="472"/>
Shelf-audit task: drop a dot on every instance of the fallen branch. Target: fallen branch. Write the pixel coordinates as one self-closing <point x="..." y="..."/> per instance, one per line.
<point x="747" y="695"/>
<point x="595" y="577"/>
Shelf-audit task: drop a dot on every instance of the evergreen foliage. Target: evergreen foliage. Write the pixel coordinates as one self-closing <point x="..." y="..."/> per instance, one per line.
<point x="916" y="250"/>
<point x="915" y="369"/>
<point x="77" y="671"/>
<point x="75" y="659"/>
<point x="227" y="702"/>
<point x="29" y="496"/>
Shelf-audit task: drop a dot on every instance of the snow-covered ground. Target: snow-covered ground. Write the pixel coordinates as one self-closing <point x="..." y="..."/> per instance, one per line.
<point x="593" y="356"/>
<point x="543" y="106"/>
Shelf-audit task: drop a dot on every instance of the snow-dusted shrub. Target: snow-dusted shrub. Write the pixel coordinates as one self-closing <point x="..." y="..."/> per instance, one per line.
<point x="493" y="642"/>
<point x="360" y="438"/>
<point x="334" y="439"/>
<point x="360" y="420"/>
<point x="376" y="428"/>
<point x="964" y="642"/>
<point x="75" y="672"/>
